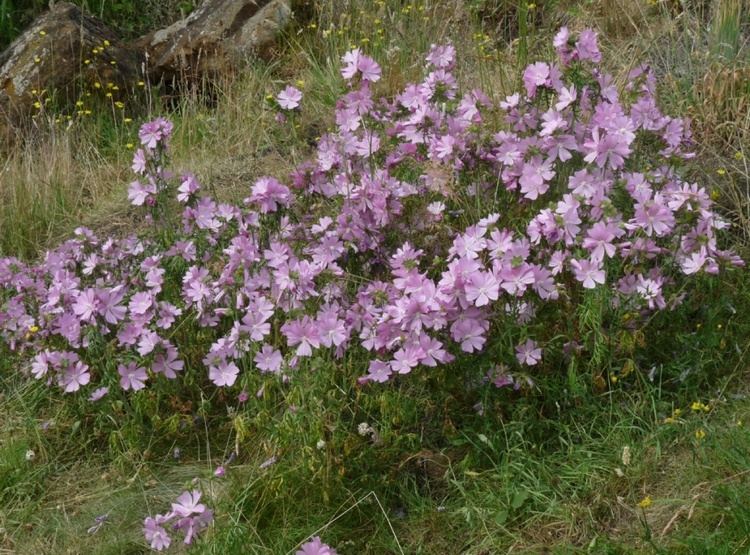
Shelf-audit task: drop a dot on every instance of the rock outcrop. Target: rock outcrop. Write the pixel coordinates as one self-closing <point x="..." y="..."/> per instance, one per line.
<point x="65" y="47"/>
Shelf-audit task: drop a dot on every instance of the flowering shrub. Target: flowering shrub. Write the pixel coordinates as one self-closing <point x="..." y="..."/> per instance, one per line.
<point x="428" y="226"/>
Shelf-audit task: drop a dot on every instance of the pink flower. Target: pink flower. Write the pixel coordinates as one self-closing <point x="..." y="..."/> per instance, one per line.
<point x="139" y="162"/>
<point x="332" y="330"/>
<point x="269" y="193"/>
<point x="441" y="56"/>
<point x="315" y="547"/>
<point x="599" y="240"/>
<point x="109" y="304"/>
<point x="223" y="374"/>
<point x="155" y="534"/>
<point x="140" y="303"/>
<point x="693" y="263"/>
<point x="40" y="365"/>
<point x="528" y="353"/>
<point x="74" y="377"/>
<point x="86" y="305"/>
<point x="98" y="393"/>
<point x="167" y="363"/>
<point x="268" y="359"/>
<point x="587" y="47"/>
<point x="653" y="216"/>
<point x="289" y="98"/>
<point x="154" y="132"/>
<point x="405" y="359"/>
<point x="470" y="333"/>
<point x="534" y="76"/>
<point x="188" y="504"/>
<point x="132" y="376"/>
<point x="566" y="97"/>
<point x="534" y="177"/>
<point x="349" y="63"/>
<point x="369" y="69"/>
<point x="379" y="371"/>
<point x="588" y="272"/>
<point x="303" y="333"/>
<point x="187" y="188"/>
<point x="482" y="288"/>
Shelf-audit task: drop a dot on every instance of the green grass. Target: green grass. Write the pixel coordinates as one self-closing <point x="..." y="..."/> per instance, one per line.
<point x="541" y="471"/>
<point x="533" y="473"/>
<point x="536" y="471"/>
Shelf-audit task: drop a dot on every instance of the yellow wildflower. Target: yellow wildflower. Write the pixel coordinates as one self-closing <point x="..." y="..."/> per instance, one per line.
<point x="721" y="171"/>
<point x="645" y="503"/>
<point x="700" y="433"/>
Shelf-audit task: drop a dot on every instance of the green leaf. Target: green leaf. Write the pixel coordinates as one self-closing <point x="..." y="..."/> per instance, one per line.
<point x="519" y="498"/>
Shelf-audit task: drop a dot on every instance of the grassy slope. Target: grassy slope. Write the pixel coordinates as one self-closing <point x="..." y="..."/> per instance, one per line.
<point x="549" y="476"/>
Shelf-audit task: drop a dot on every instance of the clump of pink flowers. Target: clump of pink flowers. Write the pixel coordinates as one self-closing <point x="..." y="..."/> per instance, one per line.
<point x="420" y="227"/>
<point x="187" y="516"/>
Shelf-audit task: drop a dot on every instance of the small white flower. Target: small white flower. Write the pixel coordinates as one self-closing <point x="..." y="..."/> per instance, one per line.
<point x="320" y="445"/>
<point x="364" y="429"/>
<point x="30" y="455"/>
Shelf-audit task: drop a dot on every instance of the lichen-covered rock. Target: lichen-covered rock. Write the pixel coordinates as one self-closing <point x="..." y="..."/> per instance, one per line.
<point x="64" y="48"/>
<point x="60" y="48"/>
<point x="213" y="39"/>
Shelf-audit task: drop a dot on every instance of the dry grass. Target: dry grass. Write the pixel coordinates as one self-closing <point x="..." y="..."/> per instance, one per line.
<point x="49" y="185"/>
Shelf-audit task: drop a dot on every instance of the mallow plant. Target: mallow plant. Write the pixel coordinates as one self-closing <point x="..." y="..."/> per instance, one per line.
<point x="417" y="228"/>
<point x="427" y="227"/>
